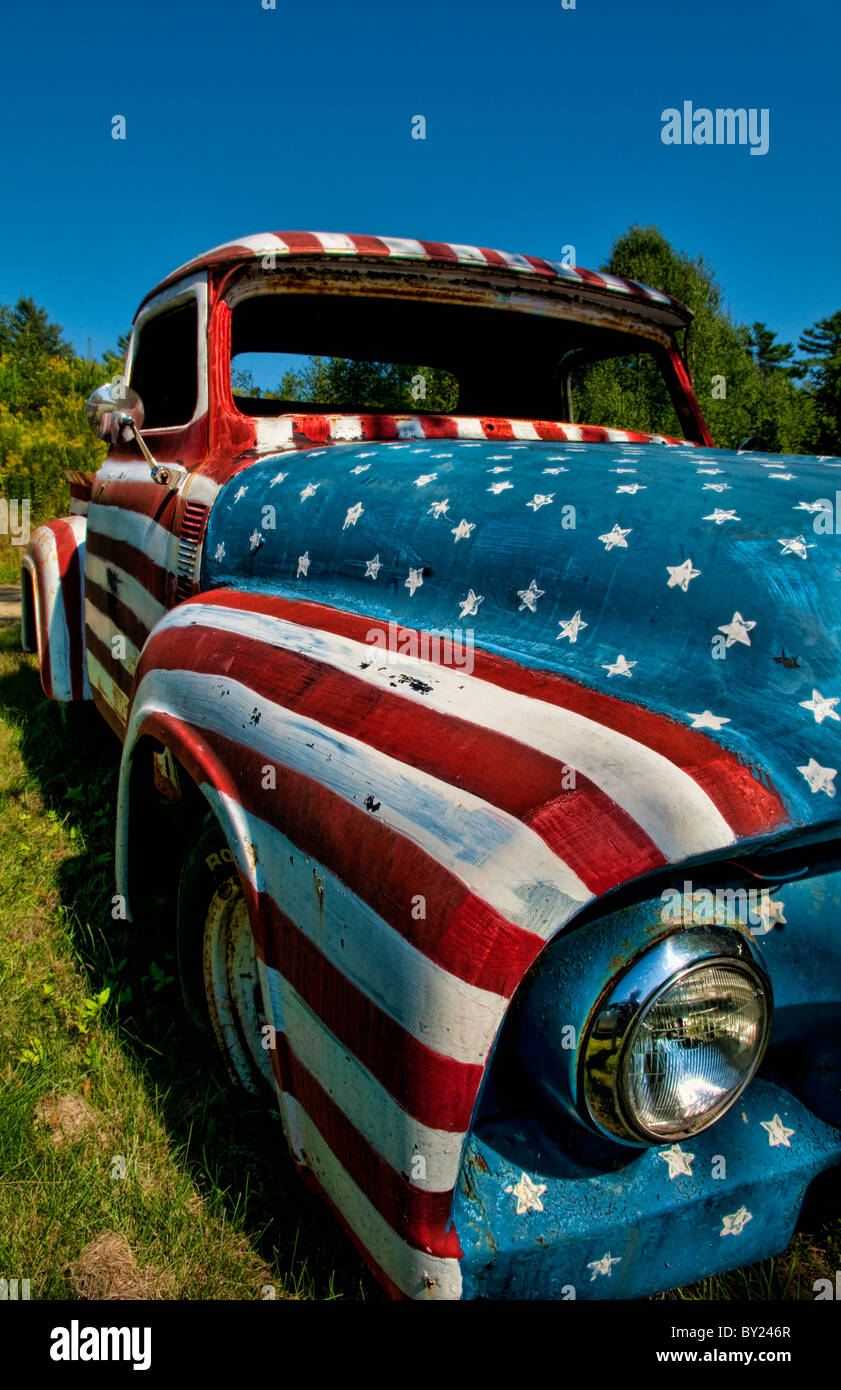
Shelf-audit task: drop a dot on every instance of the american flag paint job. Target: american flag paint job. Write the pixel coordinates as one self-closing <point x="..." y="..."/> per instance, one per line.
<point x="382" y="796"/>
<point x="650" y="680"/>
<point x="53" y="567"/>
<point x="335" y="244"/>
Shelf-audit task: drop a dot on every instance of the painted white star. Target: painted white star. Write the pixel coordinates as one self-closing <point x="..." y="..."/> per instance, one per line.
<point x="632" y="488"/>
<point x="616" y="537"/>
<point x="470" y="606"/>
<point x="440" y="508"/>
<point x="369" y="455"/>
<point x="709" y="470"/>
<point x="462" y="531"/>
<point x="240" y="492"/>
<point x="303" y="564"/>
<point x="770" y="912"/>
<point x="414" y="580"/>
<point x="603" y="1266"/>
<point x="737" y="630"/>
<point x="784" y="477"/>
<point x="570" y="627"/>
<point x="620" y="667"/>
<point x="425" y="478"/>
<point x="707" y="720"/>
<point x="716" y="487"/>
<point x="734" y="1225"/>
<point x="529" y="597"/>
<point x="528" y="1194"/>
<point x="679" y="1162"/>
<point x="309" y="491"/>
<point x="680" y="575"/>
<point x="821" y="708"/>
<point x="778" y="1134"/>
<point x="820" y="779"/>
<point x="278" y="478"/>
<point x="808" y="507"/>
<point x="256" y="539"/>
<point x="541" y="499"/>
<point x="353" y="515"/>
<point x="719" y="516"/>
<point x="796" y="545"/>
<point x="555" y="471"/>
<point x="497" y="458"/>
<point x="361" y="468"/>
<point x="219" y="554"/>
<point x="624" y="470"/>
<point x="373" y="567"/>
<point x="507" y="469"/>
<point x="496" y="488"/>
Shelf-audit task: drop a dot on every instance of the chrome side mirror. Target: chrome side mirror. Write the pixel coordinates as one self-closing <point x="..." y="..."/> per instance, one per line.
<point x="115" y="412"/>
<point x="113" y="408"/>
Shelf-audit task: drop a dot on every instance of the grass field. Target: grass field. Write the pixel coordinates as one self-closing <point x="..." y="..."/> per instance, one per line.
<point x="127" y="1169"/>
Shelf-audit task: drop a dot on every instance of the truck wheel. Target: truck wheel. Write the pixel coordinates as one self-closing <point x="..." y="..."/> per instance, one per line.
<point x="217" y="963"/>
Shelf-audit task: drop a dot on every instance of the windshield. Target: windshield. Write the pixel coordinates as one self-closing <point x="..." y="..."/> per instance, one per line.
<point x="331" y="353"/>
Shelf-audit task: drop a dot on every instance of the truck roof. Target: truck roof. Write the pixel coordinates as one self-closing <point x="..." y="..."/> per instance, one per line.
<point x="341" y="245"/>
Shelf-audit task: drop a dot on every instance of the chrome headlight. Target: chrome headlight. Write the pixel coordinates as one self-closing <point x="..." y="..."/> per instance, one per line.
<point x="674" y="1041"/>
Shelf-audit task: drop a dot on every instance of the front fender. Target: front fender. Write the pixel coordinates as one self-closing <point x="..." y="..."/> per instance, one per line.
<point x="409" y="839"/>
<point x="53" y="610"/>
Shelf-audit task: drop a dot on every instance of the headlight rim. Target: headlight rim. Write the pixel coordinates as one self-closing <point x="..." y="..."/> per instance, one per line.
<point x="601" y="1101"/>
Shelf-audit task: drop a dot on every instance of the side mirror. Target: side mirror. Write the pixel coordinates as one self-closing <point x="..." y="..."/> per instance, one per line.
<point x="114" y="408"/>
<point x="115" y="412"/>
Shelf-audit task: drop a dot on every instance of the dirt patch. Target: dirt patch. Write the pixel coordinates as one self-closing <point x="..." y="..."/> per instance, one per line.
<point x="68" y="1118"/>
<point x="107" y="1271"/>
<point x="9" y="604"/>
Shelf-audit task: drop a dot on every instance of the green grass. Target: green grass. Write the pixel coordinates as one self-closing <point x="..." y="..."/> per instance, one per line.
<point x="10" y="558"/>
<point x="210" y="1206"/>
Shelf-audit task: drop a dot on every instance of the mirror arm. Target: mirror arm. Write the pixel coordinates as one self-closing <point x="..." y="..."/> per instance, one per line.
<point x="167" y="474"/>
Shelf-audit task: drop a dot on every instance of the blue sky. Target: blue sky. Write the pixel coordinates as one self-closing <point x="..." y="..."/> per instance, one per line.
<point x="543" y="129"/>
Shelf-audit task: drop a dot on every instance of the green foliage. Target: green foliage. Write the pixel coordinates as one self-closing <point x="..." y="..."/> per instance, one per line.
<point x="43" y="431"/>
<point x="341" y="383"/>
<point x="769" y="355"/>
<point x="742" y="377"/>
<point x="822" y="342"/>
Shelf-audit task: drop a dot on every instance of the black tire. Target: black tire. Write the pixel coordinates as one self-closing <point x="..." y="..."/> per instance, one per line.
<point x="216" y="961"/>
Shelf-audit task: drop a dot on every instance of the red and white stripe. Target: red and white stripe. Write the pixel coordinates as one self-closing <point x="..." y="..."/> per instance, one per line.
<point x="286" y="431"/>
<point x="54" y="560"/>
<point x="290" y="244"/>
<point x="386" y="1021"/>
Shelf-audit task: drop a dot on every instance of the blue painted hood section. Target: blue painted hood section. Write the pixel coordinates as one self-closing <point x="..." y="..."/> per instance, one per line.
<point x="705" y="570"/>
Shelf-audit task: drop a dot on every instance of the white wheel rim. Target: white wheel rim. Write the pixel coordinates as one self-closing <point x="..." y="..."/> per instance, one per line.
<point x="232" y="986"/>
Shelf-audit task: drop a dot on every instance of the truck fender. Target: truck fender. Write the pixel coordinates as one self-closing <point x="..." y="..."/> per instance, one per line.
<point x="53" y="609"/>
<point x="393" y="914"/>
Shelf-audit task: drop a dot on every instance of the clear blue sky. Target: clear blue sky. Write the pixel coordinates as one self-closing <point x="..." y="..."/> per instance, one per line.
<point x="543" y="128"/>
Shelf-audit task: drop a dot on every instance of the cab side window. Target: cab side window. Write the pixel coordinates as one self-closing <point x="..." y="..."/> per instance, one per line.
<point x="165" y="368"/>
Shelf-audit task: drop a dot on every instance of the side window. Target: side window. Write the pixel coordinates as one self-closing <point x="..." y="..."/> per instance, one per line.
<point x="165" y="368"/>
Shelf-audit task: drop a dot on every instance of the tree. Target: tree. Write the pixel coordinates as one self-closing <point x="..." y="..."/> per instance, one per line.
<point x="768" y="354"/>
<point x="822" y="344"/>
<point x="28" y="332"/>
<point x="737" y="396"/>
<point x="342" y="383"/>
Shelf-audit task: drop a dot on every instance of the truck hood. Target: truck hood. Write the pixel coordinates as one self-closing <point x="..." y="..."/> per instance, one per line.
<point x="699" y="584"/>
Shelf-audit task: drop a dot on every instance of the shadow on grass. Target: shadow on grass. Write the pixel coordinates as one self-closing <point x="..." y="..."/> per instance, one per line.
<point x="232" y="1147"/>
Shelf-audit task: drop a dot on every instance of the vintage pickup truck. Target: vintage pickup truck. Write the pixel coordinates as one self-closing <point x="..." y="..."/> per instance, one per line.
<point x="504" y="749"/>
